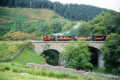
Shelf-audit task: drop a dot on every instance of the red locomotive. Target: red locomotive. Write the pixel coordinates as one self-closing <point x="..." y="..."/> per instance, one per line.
<point x="76" y="38"/>
<point x="46" y="38"/>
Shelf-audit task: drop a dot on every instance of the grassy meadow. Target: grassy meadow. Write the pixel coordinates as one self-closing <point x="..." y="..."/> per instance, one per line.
<point x="12" y="70"/>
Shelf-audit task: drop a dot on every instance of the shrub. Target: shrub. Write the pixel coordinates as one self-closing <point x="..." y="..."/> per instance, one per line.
<point x="51" y="74"/>
<point x="51" y="56"/>
<point x="43" y="73"/>
<point x="115" y="71"/>
<point x="12" y="64"/>
<point x="111" y="52"/>
<point x="15" y="70"/>
<point x="101" y="69"/>
<point x="73" y="77"/>
<point x="37" y="72"/>
<point x="19" y="36"/>
<point x="77" y="56"/>
<point x="65" y="75"/>
<point x="62" y="75"/>
<point x="91" y="78"/>
<point x="21" y="70"/>
<point x="58" y="76"/>
<point x="8" y="49"/>
<point x="7" y="68"/>
<point x="2" y="69"/>
<point x="55" y="16"/>
<point x="30" y="45"/>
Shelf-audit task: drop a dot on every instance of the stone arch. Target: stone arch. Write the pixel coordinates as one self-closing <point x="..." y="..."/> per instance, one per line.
<point x="96" y="57"/>
<point x="52" y="56"/>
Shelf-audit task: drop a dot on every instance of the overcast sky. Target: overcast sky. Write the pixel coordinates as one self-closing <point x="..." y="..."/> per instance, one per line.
<point x="109" y="4"/>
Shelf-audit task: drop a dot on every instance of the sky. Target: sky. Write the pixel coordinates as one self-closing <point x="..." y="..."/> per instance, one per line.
<point x="109" y="4"/>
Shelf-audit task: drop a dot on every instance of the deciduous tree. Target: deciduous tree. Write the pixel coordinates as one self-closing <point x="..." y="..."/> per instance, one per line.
<point x="77" y="55"/>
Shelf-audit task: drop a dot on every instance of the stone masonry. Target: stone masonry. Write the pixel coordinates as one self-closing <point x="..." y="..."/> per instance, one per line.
<point x="59" y="46"/>
<point x="71" y="71"/>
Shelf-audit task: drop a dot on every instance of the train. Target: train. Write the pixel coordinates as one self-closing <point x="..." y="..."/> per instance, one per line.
<point x="75" y="38"/>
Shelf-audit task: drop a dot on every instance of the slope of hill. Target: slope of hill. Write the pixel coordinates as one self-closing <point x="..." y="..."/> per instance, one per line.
<point x="10" y="15"/>
<point x="9" y="49"/>
<point x="28" y="20"/>
<point x="69" y="11"/>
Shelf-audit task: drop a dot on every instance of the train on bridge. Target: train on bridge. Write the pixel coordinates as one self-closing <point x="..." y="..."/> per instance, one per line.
<point x="75" y="38"/>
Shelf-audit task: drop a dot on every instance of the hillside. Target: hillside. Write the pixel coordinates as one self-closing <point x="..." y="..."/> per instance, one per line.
<point x="74" y="12"/>
<point x="28" y="20"/>
<point x="10" y="15"/>
<point x="9" y="48"/>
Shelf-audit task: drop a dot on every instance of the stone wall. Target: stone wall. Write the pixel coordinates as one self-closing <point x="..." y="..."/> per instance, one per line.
<point x="71" y="71"/>
<point x="40" y="46"/>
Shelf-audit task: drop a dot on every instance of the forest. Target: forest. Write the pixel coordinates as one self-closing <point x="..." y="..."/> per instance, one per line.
<point x="73" y="12"/>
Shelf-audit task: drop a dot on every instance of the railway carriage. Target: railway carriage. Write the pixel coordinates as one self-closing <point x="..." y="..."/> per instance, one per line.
<point x="99" y="37"/>
<point x="82" y="37"/>
<point x="64" y="38"/>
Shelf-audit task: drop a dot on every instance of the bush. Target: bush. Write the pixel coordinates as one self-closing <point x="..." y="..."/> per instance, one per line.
<point x="91" y="78"/>
<point x="77" y="56"/>
<point x="58" y="76"/>
<point x="19" y="36"/>
<point x="37" y="72"/>
<point x="7" y="68"/>
<point x="62" y="75"/>
<point x="111" y="52"/>
<point x="8" y="49"/>
<point x="88" y="66"/>
<point x="55" y="16"/>
<point x="30" y="45"/>
<point x="51" y="74"/>
<point x="115" y="71"/>
<point x="12" y="64"/>
<point x="15" y="70"/>
<point x="21" y="70"/>
<point x="66" y="75"/>
<point x="43" y="73"/>
<point x="2" y="69"/>
<point x="51" y="56"/>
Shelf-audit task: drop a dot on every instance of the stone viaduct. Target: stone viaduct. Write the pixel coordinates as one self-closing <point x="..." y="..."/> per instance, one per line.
<point x="59" y="46"/>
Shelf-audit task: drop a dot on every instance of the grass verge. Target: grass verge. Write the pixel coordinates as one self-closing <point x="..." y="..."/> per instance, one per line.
<point x="8" y="48"/>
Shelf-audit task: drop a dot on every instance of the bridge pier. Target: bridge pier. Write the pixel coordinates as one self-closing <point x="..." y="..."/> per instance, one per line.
<point x="100" y="59"/>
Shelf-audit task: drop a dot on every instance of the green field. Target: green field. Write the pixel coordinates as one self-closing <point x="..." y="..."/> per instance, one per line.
<point x="12" y="70"/>
<point x="28" y="56"/>
<point x="17" y="76"/>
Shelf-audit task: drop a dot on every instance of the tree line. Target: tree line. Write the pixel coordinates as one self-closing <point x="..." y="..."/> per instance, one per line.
<point x="70" y="11"/>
